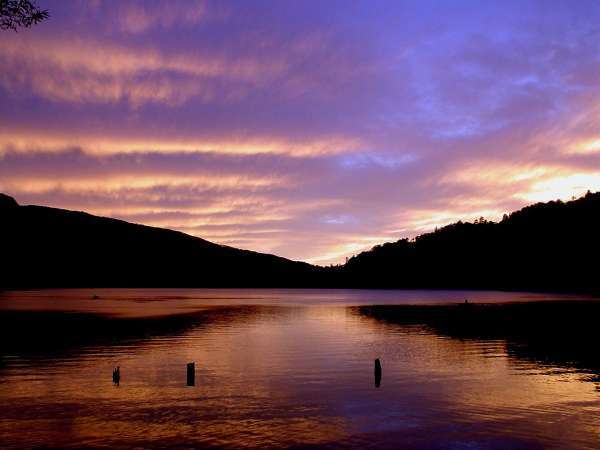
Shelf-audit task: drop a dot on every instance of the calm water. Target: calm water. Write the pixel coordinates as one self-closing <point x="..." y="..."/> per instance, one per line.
<point x="275" y="368"/>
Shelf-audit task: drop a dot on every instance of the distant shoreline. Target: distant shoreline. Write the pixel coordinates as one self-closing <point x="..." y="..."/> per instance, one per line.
<point x="577" y="294"/>
<point x="541" y="248"/>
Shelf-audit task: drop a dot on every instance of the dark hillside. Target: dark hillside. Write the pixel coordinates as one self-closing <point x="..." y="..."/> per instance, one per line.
<point x="44" y="247"/>
<point x="548" y="246"/>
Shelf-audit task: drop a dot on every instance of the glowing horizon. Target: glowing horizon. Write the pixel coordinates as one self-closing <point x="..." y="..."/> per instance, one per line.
<point x="309" y="130"/>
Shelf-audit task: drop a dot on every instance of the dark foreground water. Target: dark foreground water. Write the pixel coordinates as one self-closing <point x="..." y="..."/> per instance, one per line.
<point x="277" y="368"/>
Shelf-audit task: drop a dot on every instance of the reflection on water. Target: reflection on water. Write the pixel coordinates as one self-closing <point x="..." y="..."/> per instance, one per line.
<point x="271" y="371"/>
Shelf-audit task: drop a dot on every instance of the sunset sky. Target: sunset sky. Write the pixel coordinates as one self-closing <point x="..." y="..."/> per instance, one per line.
<point x="311" y="130"/>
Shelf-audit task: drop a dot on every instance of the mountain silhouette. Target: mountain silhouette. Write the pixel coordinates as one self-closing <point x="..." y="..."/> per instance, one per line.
<point x="550" y="246"/>
<point x="49" y="247"/>
<point x="546" y="246"/>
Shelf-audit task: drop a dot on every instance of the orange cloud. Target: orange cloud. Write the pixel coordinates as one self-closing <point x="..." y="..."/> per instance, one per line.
<point x="114" y="183"/>
<point x="104" y="58"/>
<point x="83" y="71"/>
<point x="31" y="141"/>
<point x="530" y="182"/>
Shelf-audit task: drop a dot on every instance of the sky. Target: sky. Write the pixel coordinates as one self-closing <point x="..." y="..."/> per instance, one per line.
<point x="308" y="129"/>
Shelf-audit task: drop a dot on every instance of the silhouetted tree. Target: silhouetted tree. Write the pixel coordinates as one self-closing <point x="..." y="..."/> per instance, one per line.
<point x="20" y="13"/>
<point x="545" y="246"/>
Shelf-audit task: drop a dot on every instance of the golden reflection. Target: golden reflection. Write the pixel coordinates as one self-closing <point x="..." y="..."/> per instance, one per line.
<point x="273" y="375"/>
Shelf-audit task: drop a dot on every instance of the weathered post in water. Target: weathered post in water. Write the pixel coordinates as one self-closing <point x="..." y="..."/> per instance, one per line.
<point x="377" y="372"/>
<point x="191" y="374"/>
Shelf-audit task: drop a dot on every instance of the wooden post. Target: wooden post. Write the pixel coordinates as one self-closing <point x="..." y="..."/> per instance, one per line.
<point x="377" y="372"/>
<point x="191" y="374"/>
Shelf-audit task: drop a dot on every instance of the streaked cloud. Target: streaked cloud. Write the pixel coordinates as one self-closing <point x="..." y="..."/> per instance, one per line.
<point x="83" y="71"/>
<point x="140" y="17"/>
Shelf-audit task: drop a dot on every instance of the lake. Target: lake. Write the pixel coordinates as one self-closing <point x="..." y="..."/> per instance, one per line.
<point x="295" y="369"/>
